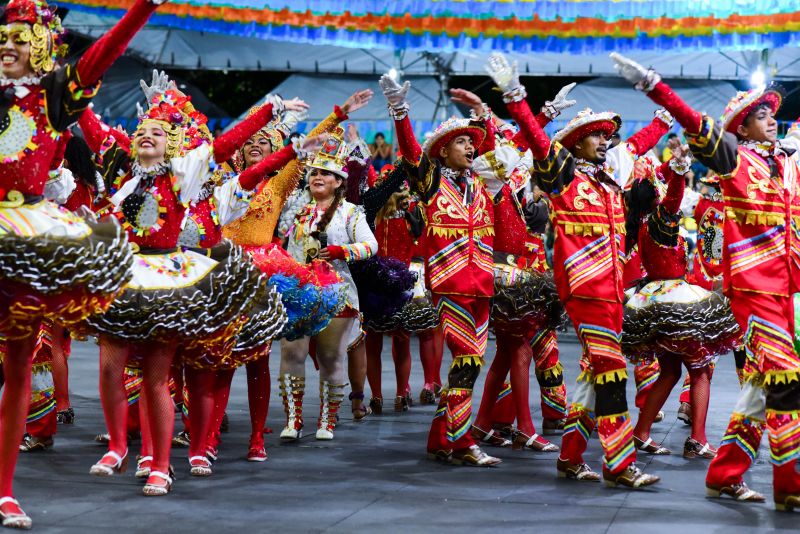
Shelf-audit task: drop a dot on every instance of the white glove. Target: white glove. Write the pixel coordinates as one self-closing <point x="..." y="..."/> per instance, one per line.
<point x="290" y="120"/>
<point x="505" y="75"/>
<point x="158" y="86"/>
<point x="157" y="2"/>
<point x="394" y="92"/>
<point x="277" y="104"/>
<point x="665" y="116"/>
<point x="642" y="79"/>
<point x="553" y="108"/>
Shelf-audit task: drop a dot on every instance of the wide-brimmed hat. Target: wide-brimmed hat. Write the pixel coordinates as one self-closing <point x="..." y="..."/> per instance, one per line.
<point x="587" y="122"/>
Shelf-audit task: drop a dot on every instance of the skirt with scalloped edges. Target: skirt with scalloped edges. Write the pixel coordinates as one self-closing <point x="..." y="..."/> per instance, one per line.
<point x="55" y="265"/>
<point x="525" y="300"/>
<point x="674" y="318"/>
<point x="185" y="295"/>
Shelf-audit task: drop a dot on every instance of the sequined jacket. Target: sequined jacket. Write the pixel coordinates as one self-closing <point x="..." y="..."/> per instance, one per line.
<point x="187" y="200"/>
<point x="707" y="262"/>
<point x="348" y="229"/>
<point x="459" y="232"/>
<point x="258" y="226"/>
<point x="42" y="108"/>
<point x="761" y="194"/>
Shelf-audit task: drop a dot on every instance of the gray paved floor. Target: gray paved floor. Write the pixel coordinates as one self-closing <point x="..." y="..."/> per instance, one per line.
<point x="373" y="478"/>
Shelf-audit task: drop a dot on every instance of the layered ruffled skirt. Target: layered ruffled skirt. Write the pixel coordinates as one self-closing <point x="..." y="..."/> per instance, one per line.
<point x="416" y="314"/>
<point x="673" y="317"/>
<point x="312" y="294"/>
<point x="55" y="265"/>
<point x="525" y="300"/>
<point x="197" y="297"/>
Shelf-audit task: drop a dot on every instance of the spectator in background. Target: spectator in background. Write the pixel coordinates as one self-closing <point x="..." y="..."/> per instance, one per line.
<point x="672" y="143"/>
<point x="381" y="152"/>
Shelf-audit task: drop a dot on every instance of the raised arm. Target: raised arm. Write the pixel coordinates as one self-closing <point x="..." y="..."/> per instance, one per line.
<point x="398" y="108"/>
<point x="228" y="143"/>
<point x="102" y="54"/>
<point x="100" y="136"/>
<point x="300" y="148"/>
<point x="715" y="148"/>
<point x="642" y="141"/>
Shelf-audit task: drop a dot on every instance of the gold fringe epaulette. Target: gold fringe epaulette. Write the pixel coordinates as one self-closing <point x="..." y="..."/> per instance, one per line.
<point x="743" y="216"/>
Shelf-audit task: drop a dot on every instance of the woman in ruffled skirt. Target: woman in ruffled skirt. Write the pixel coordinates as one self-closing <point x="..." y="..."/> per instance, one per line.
<point x="53" y="264"/>
<point x="181" y="295"/>
<point x="669" y="319"/>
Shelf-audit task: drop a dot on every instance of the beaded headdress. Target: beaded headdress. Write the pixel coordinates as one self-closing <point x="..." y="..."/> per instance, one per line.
<point x="449" y="130"/>
<point x="34" y="22"/>
<point x="587" y="122"/>
<point x="745" y="101"/>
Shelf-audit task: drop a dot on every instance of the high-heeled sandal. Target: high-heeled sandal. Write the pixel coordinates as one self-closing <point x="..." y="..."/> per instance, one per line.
<point x="533" y="443"/>
<point x="105" y="467"/>
<point x="362" y="411"/>
<point x="650" y="447"/>
<point x="154" y="489"/>
<point x="401" y="404"/>
<point x="491" y="437"/>
<point x="200" y="466"/>
<point x="13" y="516"/>
<point x="143" y="464"/>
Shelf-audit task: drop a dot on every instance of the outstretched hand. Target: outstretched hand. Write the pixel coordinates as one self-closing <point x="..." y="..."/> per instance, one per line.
<point x="159" y="85"/>
<point x="503" y="73"/>
<point x="628" y="68"/>
<point x="357" y="100"/>
<point x="295" y="104"/>
<point x="468" y="98"/>
<point x="394" y="92"/>
<point x="553" y="108"/>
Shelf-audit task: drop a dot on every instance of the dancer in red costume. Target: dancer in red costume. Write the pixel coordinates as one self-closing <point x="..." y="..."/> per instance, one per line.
<point x="526" y="307"/>
<point x="208" y="291"/>
<point x="583" y="180"/>
<point x="669" y="319"/>
<point x="761" y="194"/>
<point x="458" y="250"/>
<point x="41" y="101"/>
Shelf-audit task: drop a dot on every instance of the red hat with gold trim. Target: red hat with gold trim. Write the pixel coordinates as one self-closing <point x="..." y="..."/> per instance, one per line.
<point x="746" y="101"/>
<point x="45" y="33"/>
<point x="449" y="130"/>
<point x="587" y="122"/>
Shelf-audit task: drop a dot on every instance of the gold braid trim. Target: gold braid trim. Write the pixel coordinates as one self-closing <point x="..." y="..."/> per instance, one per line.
<point x="611" y="376"/>
<point x="743" y="216"/>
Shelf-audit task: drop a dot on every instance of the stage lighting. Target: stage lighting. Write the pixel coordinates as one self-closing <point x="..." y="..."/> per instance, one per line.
<point x="758" y="78"/>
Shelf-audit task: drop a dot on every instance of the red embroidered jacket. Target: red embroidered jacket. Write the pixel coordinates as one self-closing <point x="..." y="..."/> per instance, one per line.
<point x="458" y="236"/>
<point x="39" y="112"/>
<point x="587" y="208"/>
<point x="707" y="262"/>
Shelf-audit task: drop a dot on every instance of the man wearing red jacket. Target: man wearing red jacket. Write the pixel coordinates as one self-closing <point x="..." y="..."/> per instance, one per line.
<point x="583" y="180"/>
<point x="761" y="267"/>
<point x="459" y="233"/>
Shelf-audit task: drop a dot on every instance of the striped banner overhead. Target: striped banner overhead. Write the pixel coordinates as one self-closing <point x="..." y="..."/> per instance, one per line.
<point x="573" y="26"/>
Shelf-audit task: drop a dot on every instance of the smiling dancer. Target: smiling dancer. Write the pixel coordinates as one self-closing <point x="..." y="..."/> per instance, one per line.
<point x="759" y="181"/>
